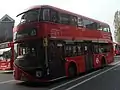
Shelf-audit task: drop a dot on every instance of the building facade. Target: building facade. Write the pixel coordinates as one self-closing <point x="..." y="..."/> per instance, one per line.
<point x="6" y="28"/>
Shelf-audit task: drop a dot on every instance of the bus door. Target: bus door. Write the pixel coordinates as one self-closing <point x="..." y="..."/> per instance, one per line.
<point x="88" y="51"/>
<point x="56" y="59"/>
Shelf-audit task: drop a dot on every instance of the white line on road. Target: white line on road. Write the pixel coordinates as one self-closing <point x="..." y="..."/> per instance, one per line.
<point x="115" y="63"/>
<point x="73" y="80"/>
<point x="91" y="77"/>
<point x="4" y="82"/>
<point x="77" y="78"/>
<point x="2" y="72"/>
<point x="7" y="81"/>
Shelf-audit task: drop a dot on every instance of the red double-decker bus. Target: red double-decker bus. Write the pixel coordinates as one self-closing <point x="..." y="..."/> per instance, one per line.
<point x="6" y="56"/>
<point x="52" y="43"/>
<point x="117" y="48"/>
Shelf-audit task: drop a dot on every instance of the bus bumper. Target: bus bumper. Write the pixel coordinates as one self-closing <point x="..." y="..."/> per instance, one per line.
<point x="20" y="75"/>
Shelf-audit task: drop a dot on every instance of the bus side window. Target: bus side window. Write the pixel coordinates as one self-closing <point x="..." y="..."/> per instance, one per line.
<point x="74" y="51"/>
<point x="64" y="18"/>
<point x="94" y="25"/>
<point x="54" y="16"/>
<point x="106" y="28"/>
<point x="73" y="20"/>
<point x="90" y="24"/>
<point x="107" y="48"/>
<point x="80" y="22"/>
<point x="87" y="23"/>
<point x="68" y="50"/>
<point x="46" y="15"/>
<point x="79" y="49"/>
<point x="96" y="49"/>
<point x="99" y="27"/>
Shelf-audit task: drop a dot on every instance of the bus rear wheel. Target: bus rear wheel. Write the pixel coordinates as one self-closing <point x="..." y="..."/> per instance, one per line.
<point x="72" y="70"/>
<point x="103" y="62"/>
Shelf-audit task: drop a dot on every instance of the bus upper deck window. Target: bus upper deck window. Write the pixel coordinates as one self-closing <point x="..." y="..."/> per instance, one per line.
<point x="46" y="14"/>
<point x="54" y="16"/>
<point x="99" y="27"/>
<point x="80" y="22"/>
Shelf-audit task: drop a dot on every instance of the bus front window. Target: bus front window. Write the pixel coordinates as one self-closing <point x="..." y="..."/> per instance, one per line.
<point x="27" y="49"/>
<point x="30" y="54"/>
<point x="30" y="16"/>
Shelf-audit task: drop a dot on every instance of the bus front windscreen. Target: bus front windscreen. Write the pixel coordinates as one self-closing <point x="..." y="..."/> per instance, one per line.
<point x="30" y="54"/>
<point x="30" y="16"/>
<point x="27" y="49"/>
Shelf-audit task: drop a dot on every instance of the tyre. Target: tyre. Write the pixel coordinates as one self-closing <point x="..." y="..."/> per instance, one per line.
<point x="103" y="62"/>
<point x="72" y="71"/>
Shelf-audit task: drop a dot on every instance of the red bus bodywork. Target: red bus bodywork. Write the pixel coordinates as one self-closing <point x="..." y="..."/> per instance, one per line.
<point x="117" y="48"/>
<point x="6" y="62"/>
<point x="55" y="31"/>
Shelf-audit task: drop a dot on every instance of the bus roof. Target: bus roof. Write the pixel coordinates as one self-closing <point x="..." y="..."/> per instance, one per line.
<point x="63" y="11"/>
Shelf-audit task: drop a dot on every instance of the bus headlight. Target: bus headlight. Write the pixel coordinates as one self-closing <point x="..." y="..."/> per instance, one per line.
<point x="38" y="73"/>
<point x="33" y="32"/>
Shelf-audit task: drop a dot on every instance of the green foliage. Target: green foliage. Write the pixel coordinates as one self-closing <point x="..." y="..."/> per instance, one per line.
<point x="117" y="26"/>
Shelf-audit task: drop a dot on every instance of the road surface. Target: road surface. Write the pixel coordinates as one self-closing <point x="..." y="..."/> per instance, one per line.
<point x="102" y="79"/>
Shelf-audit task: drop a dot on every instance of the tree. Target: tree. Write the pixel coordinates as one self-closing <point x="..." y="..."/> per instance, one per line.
<point x="117" y="26"/>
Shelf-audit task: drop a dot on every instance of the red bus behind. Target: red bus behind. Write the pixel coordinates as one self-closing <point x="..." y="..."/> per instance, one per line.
<point x="6" y="56"/>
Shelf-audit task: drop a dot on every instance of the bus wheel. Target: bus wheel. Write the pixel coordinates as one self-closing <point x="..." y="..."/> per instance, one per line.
<point x="103" y="62"/>
<point x="72" y="70"/>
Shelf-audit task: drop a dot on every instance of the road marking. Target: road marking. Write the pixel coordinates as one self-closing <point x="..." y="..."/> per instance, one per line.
<point x="77" y="78"/>
<point x="11" y="71"/>
<point x="7" y="81"/>
<point x="91" y="77"/>
<point x="115" y="63"/>
<point x="73" y="80"/>
<point x="117" y="56"/>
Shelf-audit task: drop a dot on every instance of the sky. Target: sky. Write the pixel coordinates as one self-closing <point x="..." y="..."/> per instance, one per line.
<point x="102" y="10"/>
